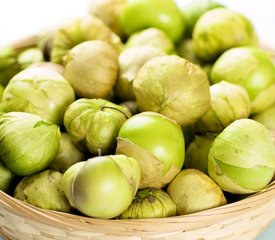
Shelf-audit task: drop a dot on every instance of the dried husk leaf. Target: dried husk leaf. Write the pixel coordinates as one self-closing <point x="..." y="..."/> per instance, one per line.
<point x="197" y="152"/>
<point x="174" y="87"/>
<point x="153" y="172"/>
<point x="150" y="203"/>
<point x="109" y="12"/>
<point x="229" y="102"/>
<point x="92" y="67"/>
<point x="193" y="191"/>
<point x="130" y="62"/>
<point x="79" y="30"/>
<point x="266" y="117"/>
<point x="242" y="157"/>
<point x="44" y="190"/>
<point x="153" y="37"/>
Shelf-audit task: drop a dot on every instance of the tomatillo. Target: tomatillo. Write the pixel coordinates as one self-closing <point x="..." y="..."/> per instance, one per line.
<point x="140" y="14"/>
<point x="157" y="143"/>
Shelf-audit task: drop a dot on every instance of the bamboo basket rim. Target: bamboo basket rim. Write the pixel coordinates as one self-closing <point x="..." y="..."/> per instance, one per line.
<point x="229" y="212"/>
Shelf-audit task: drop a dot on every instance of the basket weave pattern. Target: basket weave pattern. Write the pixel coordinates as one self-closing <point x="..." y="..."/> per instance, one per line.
<point x="244" y="219"/>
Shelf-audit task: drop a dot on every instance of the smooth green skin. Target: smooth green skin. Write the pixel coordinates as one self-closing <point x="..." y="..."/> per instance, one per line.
<point x="197" y="152"/>
<point x="94" y="124"/>
<point x="220" y="29"/>
<point x="161" y="136"/>
<point x="8" y="64"/>
<point x="163" y="14"/>
<point x="242" y="157"/>
<point x="105" y="186"/>
<point x="44" y="190"/>
<point x="150" y="203"/>
<point x="68" y="179"/>
<point x="68" y="154"/>
<point x="151" y="37"/>
<point x="193" y="10"/>
<point x="193" y="191"/>
<point x="6" y="178"/>
<point x="251" y="68"/>
<point x="41" y="91"/>
<point x="28" y="144"/>
<point x="30" y="56"/>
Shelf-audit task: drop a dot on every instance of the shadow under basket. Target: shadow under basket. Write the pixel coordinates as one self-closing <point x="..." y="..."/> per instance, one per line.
<point x="244" y="219"/>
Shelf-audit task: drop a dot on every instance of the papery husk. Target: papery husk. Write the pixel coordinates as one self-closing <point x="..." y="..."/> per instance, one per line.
<point x="251" y="68"/>
<point x="193" y="191"/>
<point x="130" y="62"/>
<point x="185" y="50"/>
<point x="131" y="106"/>
<point x="193" y="10"/>
<point x="39" y="90"/>
<point x="91" y="68"/>
<point x="50" y="65"/>
<point x="266" y="117"/>
<point x="242" y="157"/>
<point x="79" y="30"/>
<point x="68" y="154"/>
<point x="153" y="173"/>
<point x="28" y="143"/>
<point x="264" y="99"/>
<point x="197" y="152"/>
<point x="150" y="203"/>
<point x="8" y="64"/>
<point x="43" y="190"/>
<point x="109" y="12"/>
<point x="29" y="56"/>
<point x="220" y="29"/>
<point x="93" y="124"/>
<point x="228" y="103"/>
<point x="153" y="37"/>
<point x="6" y="178"/>
<point x="174" y="87"/>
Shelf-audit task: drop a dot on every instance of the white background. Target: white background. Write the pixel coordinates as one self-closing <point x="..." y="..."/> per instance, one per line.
<point x="20" y="18"/>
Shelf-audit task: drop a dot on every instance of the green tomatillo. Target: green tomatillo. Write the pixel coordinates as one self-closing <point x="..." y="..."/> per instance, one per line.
<point x="174" y="87"/>
<point x="251" y="68"/>
<point x="157" y="143"/>
<point x="150" y="203"/>
<point x="242" y="157"/>
<point x="79" y="30"/>
<point x="44" y="190"/>
<point x="163" y="14"/>
<point x="220" y="29"/>
<point x="193" y="191"/>
<point x="41" y="91"/>
<point x="105" y="186"/>
<point x="28" y="143"/>
<point x="94" y="124"/>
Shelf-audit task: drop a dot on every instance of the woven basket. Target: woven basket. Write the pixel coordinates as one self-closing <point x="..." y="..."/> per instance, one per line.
<point x="244" y="219"/>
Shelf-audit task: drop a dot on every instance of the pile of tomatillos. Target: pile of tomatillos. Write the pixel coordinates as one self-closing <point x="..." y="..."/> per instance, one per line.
<point x="138" y="111"/>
